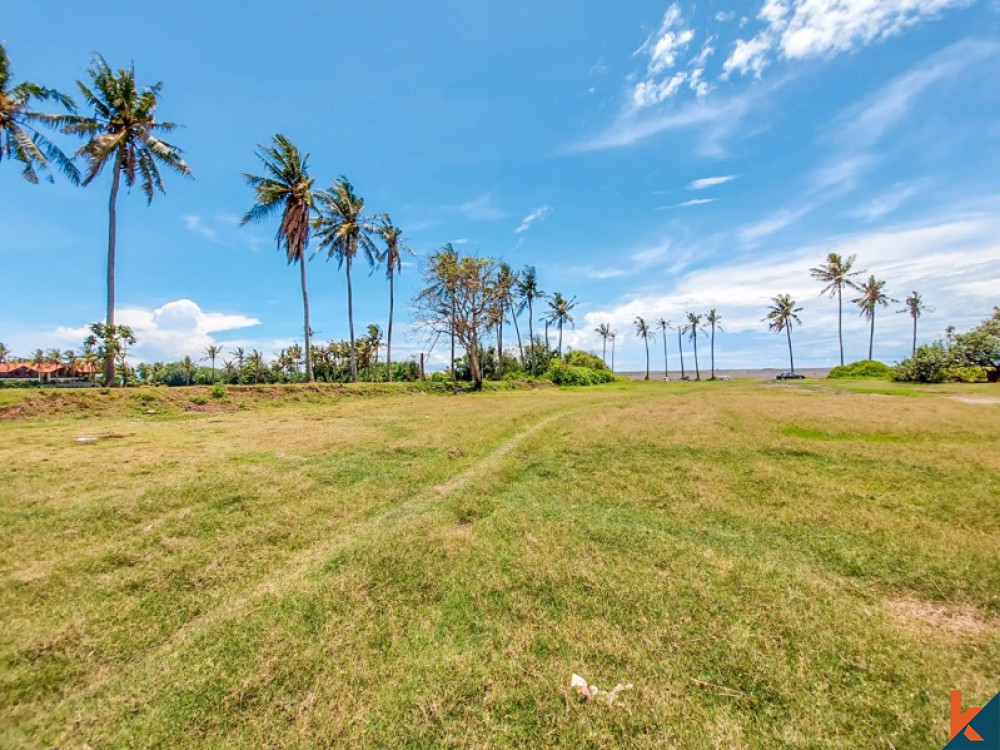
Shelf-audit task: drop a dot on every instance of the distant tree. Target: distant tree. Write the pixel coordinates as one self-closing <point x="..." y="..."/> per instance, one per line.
<point x="372" y="342"/>
<point x="38" y="357"/>
<point x="110" y="342"/>
<point x="343" y="230"/>
<point x="20" y="140"/>
<point x="122" y="131"/>
<point x="189" y="368"/>
<point x="442" y="272"/>
<point x="529" y="291"/>
<point x="287" y="187"/>
<point x="713" y="319"/>
<point x="780" y="317"/>
<point x="54" y="356"/>
<point x="255" y="363"/>
<point x="664" y="325"/>
<point x="613" y="335"/>
<point x="508" y="280"/>
<point x="212" y="351"/>
<point x="872" y="297"/>
<point x="643" y="331"/>
<point x="915" y="307"/>
<point x="4" y="352"/>
<point x="560" y="313"/>
<point x="604" y="331"/>
<point x="391" y="258"/>
<point x="837" y="273"/>
<point x="681" y="330"/>
<point x="240" y="354"/>
<point x="694" y="324"/>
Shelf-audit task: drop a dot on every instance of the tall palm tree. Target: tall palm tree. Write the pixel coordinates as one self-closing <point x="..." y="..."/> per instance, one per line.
<point x="286" y="187"/>
<point x="694" y="323"/>
<point x="212" y="351"/>
<point x="529" y="291"/>
<point x="19" y="138"/>
<point x="343" y="229"/>
<point x="916" y="308"/>
<point x="837" y="273"/>
<point x="373" y="342"/>
<point x="189" y="368"/>
<point x="780" y="317"/>
<point x="872" y="296"/>
<point x="504" y="286"/>
<point x="644" y="332"/>
<point x="681" y="330"/>
<point x="391" y="257"/>
<point x="664" y="324"/>
<point x="240" y="353"/>
<point x="613" y="335"/>
<point x="122" y="131"/>
<point x="714" y="320"/>
<point x="514" y="304"/>
<point x="559" y="313"/>
<point x="604" y="331"/>
<point x="4" y="352"/>
<point x="443" y="269"/>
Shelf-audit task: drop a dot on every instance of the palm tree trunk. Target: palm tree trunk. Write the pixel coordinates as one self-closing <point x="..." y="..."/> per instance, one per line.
<point x="305" y="315"/>
<point x="647" y="357"/>
<point x="546" y="336"/>
<point x="500" y="349"/>
<point x="531" y="336"/>
<point x="697" y="372"/>
<point x="713" y="351"/>
<point x="517" y="330"/>
<point x="612" y="355"/>
<point x="791" y="359"/>
<point x="604" y="351"/>
<point x="350" y="323"/>
<point x="680" y="348"/>
<point x="388" y="338"/>
<point x="109" y="359"/>
<point x="871" y="335"/>
<point x="560" y="337"/>
<point x="840" y="321"/>
<point x="453" y="338"/>
<point x="914" y="352"/>
<point x="666" y="366"/>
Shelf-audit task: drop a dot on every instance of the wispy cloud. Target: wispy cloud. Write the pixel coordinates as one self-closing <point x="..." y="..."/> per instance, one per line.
<point x="886" y="202"/>
<point x="482" y="208"/>
<point x="692" y="202"/>
<point x="197" y="225"/>
<point x="707" y="182"/>
<point x="752" y="234"/>
<point x="537" y="215"/>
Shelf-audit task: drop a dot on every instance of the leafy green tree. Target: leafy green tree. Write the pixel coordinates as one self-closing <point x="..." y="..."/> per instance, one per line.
<point x="604" y="331"/>
<point x="643" y="331"/>
<point x="286" y="187"/>
<point x="560" y="313"/>
<point x="190" y="368"/>
<point x="782" y="316"/>
<point x="837" y="273"/>
<point x="110" y="342"/>
<point x="915" y="307"/>
<point x="20" y="139"/>
<point x="122" y="131"/>
<point x="343" y="229"/>
<point x="713" y="319"/>
<point x="872" y="297"/>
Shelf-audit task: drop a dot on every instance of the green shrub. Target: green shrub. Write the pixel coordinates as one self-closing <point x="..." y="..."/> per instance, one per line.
<point x="865" y="368"/>
<point x="561" y="373"/>
<point x="200" y="400"/>
<point x="219" y="390"/>
<point x="585" y="359"/>
<point x="928" y="365"/>
<point x="971" y="374"/>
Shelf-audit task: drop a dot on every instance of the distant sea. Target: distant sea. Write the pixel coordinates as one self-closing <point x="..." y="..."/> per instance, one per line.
<point x="765" y="374"/>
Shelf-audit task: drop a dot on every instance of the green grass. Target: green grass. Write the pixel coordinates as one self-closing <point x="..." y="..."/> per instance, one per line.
<point x="769" y="566"/>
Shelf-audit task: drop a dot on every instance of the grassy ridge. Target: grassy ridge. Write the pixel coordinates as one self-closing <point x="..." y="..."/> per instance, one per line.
<point x="768" y="566"/>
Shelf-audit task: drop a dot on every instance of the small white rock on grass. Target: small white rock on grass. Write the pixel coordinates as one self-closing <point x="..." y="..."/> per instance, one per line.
<point x="589" y="692"/>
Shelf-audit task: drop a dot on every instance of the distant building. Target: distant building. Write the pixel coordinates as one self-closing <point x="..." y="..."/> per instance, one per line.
<point x="45" y="372"/>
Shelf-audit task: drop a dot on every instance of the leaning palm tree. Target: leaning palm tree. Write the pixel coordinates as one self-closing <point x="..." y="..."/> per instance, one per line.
<point x="286" y="187"/>
<point x="713" y="319"/>
<point x="391" y="257"/>
<point x="604" y="331"/>
<point x="643" y="331"/>
<point x="20" y="140"/>
<point x="504" y="285"/>
<point x="916" y="308"/>
<point x="343" y="229"/>
<point x="529" y="291"/>
<point x="681" y="330"/>
<point x="212" y="352"/>
<point x="122" y="131"/>
<point x="837" y="273"/>
<point x="872" y="296"/>
<point x="694" y="323"/>
<point x="559" y="313"/>
<point x="664" y="324"/>
<point x="780" y="317"/>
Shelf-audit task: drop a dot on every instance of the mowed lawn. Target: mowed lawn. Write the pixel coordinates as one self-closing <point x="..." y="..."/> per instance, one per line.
<point x="769" y="566"/>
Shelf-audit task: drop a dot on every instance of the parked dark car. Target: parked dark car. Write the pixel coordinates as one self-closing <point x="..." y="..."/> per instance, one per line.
<point x="789" y="376"/>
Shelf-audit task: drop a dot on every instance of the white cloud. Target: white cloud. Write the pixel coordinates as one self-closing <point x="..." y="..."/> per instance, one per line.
<point x="537" y="215"/>
<point x="650" y="256"/>
<point x="651" y="92"/>
<point x="801" y="29"/>
<point x="707" y="182"/>
<point x="663" y="49"/>
<point x="694" y="202"/>
<point x="752" y="234"/>
<point x="169" y="332"/>
<point x="197" y="225"/>
<point x="886" y="202"/>
<point x="483" y="208"/>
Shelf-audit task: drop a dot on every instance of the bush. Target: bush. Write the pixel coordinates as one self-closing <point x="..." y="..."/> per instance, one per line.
<point x="199" y="400"/>
<point x="928" y="365"/>
<point x="561" y="373"/>
<point x="585" y="359"/>
<point x="866" y="368"/>
<point x="219" y="390"/>
<point x="971" y="374"/>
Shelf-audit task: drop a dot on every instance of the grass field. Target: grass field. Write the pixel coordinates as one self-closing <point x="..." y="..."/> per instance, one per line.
<point x="769" y="566"/>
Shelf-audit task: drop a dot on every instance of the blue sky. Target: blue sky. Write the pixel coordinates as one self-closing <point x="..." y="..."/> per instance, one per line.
<point x="648" y="157"/>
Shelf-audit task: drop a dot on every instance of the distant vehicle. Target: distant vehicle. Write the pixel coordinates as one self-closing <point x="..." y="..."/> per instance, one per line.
<point x="724" y="377"/>
<point x="789" y="376"/>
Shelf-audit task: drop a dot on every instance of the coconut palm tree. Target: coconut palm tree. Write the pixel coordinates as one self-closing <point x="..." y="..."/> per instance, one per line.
<point x="664" y="324"/>
<point x="19" y="138"/>
<point x="286" y="187"/>
<point x="781" y="316"/>
<point x="391" y="257"/>
<point x="681" y="330"/>
<point x="559" y="313"/>
<point x="613" y="335"/>
<point x="54" y="356"/>
<point x="514" y="306"/>
<point x="916" y="308"/>
<point x="694" y="323"/>
<point x="189" y="368"/>
<point x="343" y="229"/>
<point x="872" y="297"/>
<point x="4" y="352"/>
<point x="643" y="331"/>
<point x="443" y="271"/>
<point x="122" y="131"/>
<point x="837" y="273"/>
<point x="240" y="354"/>
<point x="604" y="331"/>
<point x="504" y="286"/>
<point x="713" y="319"/>
<point x="529" y="291"/>
<point x="212" y="352"/>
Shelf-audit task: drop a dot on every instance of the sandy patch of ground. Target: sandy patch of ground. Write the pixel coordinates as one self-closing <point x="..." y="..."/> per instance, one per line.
<point x="925" y="617"/>
<point x="975" y="399"/>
